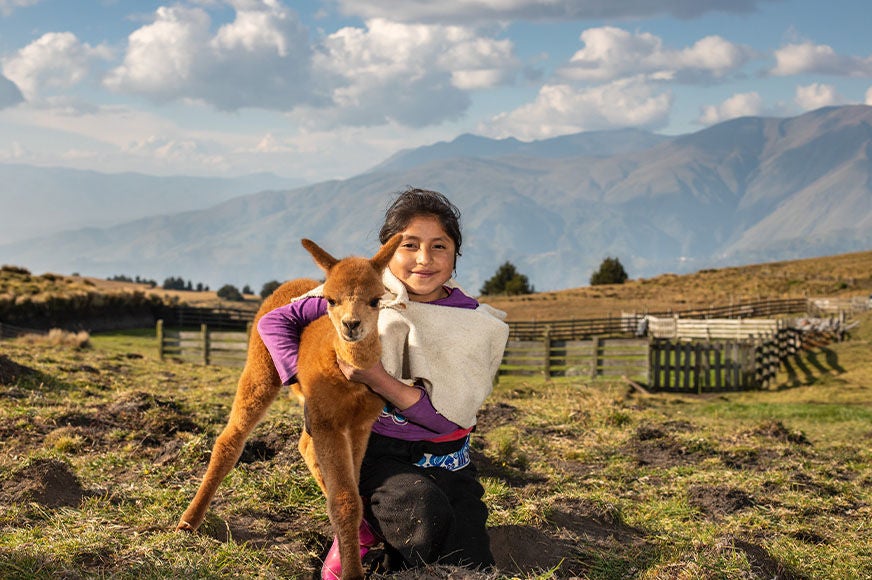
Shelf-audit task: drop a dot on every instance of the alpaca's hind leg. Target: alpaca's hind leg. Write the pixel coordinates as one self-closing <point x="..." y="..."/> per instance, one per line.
<point x="307" y="450"/>
<point x="254" y="395"/>
<point x="344" y="505"/>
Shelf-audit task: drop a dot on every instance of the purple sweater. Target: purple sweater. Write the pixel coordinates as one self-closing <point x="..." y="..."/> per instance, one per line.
<point x="280" y="330"/>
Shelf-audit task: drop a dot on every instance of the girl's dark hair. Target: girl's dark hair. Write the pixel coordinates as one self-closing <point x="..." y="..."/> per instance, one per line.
<point x="421" y="202"/>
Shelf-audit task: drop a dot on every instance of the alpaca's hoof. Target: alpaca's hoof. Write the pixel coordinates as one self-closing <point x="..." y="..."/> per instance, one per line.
<point x="185" y="527"/>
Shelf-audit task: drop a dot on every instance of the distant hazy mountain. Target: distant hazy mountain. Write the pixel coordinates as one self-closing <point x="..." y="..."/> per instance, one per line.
<point x="593" y="144"/>
<point x="748" y="190"/>
<point x="36" y="201"/>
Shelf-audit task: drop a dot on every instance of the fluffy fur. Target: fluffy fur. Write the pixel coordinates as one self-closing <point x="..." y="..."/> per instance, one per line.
<point x="339" y="413"/>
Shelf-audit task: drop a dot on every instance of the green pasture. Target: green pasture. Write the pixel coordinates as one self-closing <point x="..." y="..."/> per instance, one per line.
<point x="584" y="479"/>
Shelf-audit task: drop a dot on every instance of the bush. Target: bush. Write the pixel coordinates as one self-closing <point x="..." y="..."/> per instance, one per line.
<point x="269" y="288"/>
<point x="231" y="293"/>
<point x="611" y="271"/>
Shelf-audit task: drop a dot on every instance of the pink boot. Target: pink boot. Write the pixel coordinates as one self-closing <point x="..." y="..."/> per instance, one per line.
<point x="332" y="568"/>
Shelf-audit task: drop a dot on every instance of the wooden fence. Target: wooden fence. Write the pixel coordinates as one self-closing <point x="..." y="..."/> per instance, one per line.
<point x="698" y="367"/>
<point x="712" y="329"/>
<point x="629" y="323"/>
<point x="593" y="358"/>
<point x="206" y="346"/>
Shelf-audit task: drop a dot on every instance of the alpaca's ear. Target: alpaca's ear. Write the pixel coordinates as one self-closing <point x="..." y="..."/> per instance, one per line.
<point x="383" y="256"/>
<point x="324" y="260"/>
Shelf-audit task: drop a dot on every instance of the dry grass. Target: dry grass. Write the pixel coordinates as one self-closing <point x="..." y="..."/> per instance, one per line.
<point x="59" y="337"/>
<point x="844" y="275"/>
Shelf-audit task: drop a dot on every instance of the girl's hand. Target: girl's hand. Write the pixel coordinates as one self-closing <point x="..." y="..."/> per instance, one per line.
<point x="368" y="377"/>
<point x="397" y="393"/>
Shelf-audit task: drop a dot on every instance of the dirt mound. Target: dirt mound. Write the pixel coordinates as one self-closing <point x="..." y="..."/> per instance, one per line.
<point x="141" y="411"/>
<point x="524" y="549"/>
<point x="11" y="371"/>
<point x="719" y="500"/>
<point x="764" y="565"/>
<point x="655" y="445"/>
<point x="776" y="430"/>
<point x="48" y="482"/>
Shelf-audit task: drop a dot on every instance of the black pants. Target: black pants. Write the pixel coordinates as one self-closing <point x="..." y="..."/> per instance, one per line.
<point x="426" y="515"/>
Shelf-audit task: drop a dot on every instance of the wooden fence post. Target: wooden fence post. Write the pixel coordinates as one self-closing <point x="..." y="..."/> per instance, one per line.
<point x="546" y="342"/>
<point x="159" y="332"/>
<point x="204" y="332"/>
<point x="594" y="356"/>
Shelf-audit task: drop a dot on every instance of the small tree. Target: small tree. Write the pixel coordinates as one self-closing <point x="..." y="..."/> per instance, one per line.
<point x="269" y="288"/>
<point x="611" y="271"/>
<point x="231" y="293"/>
<point x="247" y="289"/>
<point x="507" y="281"/>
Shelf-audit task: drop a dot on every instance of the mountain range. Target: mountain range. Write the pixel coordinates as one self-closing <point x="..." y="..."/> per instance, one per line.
<point x="748" y="190"/>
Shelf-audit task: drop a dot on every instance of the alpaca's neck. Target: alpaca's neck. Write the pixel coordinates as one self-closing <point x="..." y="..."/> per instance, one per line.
<point x="361" y="354"/>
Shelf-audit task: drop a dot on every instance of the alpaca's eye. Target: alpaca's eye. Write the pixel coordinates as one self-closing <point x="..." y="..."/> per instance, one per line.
<point x="374" y="303"/>
<point x="330" y="302"/>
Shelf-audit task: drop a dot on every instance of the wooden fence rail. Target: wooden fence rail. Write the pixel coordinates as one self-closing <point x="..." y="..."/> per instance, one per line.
<point x="731" y="365"/>
<point x="594" y="358"/>
<point x="712" y="329"/>
<point x="206" y="346"/>
<point x="664" y="365"/>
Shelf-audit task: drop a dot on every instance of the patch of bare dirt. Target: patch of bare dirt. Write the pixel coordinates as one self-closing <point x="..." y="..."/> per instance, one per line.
<point x="776" y="430"/>
<point x="716" y="501"/>
<point x="655" y="445"/>
<point x="763" y="565"/>
<point x="48" y="482"/>
<point x="494" y="415"/>
<point x="146" y="414"/>
<point x="11" y="372"/>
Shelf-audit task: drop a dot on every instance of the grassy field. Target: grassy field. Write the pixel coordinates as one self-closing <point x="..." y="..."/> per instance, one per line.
<point x="830" y="276"/>
<point x="103" y="447"/>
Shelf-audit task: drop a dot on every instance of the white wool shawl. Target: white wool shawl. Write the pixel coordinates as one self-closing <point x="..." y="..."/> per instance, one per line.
<point x="454" y="352"/>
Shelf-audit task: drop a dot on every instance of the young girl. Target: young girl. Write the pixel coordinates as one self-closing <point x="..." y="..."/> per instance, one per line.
<point x="440" y="352"/>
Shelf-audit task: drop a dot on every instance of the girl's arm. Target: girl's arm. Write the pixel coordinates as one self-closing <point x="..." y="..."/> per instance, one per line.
<point x="280" y="330"/>
<point x="412" y="401"/>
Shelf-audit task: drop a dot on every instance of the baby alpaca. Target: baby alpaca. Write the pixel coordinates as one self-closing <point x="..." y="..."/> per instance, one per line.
<point x="339" y="413"/>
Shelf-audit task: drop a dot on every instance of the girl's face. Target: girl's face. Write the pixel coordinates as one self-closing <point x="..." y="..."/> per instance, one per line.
<point x="424" y="260"/>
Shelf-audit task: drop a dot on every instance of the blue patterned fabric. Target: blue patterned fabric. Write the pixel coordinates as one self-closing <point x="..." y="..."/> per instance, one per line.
<point x="452" y="462"/>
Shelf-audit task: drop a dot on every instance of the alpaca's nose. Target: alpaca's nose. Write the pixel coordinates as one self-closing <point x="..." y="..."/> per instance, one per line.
<point x="351" y="324"/>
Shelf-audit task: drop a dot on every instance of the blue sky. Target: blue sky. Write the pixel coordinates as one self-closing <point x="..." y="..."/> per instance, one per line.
<point x="326" y="89"/>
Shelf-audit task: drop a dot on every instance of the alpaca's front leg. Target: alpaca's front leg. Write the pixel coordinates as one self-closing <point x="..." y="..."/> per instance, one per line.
<point x="344" y="505"/>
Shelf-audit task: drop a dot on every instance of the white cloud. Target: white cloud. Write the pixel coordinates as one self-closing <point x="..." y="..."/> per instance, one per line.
<point x="8" y="6"/>
<point x="817" y="95"/>
<point x="868" y="99"/>
<point x="54" y="61"/>
<point x="413" y="74"/>
<point x="261" y="59"/>
<point x="739" y="105"/>
<point x="563" y="109"/>
<point x="490" y="10"/>
<point x="806" y="57"/>
<point x="611" y="53"/>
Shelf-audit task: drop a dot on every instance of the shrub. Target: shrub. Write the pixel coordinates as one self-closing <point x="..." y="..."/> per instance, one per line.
<point x="269" y="288"/>
<point x="611" y="271"/>
<point x="507" y="281"/>
<point x="231" y="293"/>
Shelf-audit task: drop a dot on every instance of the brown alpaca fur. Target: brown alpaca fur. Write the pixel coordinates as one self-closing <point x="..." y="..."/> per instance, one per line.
<point x="339" y="413"/>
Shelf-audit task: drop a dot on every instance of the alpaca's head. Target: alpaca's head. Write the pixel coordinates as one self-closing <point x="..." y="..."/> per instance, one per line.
<point x="353" y="288"/>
